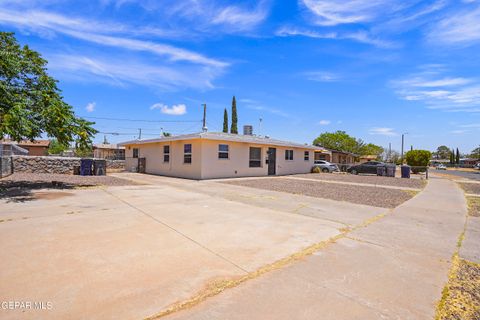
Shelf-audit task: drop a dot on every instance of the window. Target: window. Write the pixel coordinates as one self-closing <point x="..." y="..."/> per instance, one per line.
<point x="306" y="156"/>
<point x="135" y="152"/>
<point x="288" y="154"/>
<point x="187" y="153"/>
<point x="255" y="160"/>
<point x="223" y="151"/>
<point x="166" y="153"/>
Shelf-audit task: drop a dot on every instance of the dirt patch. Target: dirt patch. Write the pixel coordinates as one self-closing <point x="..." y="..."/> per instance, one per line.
<point x="50" y="195"/>
<point x="373" y="196"/>
<point x="461" y="295"/>
<point x="473" y="206"/>
<point x="18" y="187"/>
<point x="470" y="187"/>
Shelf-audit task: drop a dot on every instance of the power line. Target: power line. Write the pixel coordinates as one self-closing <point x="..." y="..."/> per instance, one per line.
<point x="142" y="120"/>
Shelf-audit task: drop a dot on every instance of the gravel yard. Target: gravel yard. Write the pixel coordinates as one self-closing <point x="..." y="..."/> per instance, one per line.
<point x="386" y="181"/>
<point x="18" y="186"/>
<point x="471" y="187"/>
<point x="373" y="196"/>
<point x="17" y="179"/>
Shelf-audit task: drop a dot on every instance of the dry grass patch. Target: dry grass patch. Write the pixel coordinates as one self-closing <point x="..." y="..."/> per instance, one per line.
<point x="473" y="206"/>
<point x="461" y="296"/>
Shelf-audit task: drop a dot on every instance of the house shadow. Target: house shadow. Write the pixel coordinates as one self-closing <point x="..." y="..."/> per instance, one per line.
<point x="22" y="191"/>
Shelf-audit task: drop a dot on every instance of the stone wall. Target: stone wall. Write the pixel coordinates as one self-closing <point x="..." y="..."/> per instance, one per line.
<point x="5" y="166"/>
<point x="44" y="164"/>
<point x="62" y="165"/>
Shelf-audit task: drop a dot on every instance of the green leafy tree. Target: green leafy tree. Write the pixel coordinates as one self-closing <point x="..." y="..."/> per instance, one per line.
<point x="457" y="157"/>
<point x="56" y="147"/>
<point x="225" y="121"/>
<point x="418" y="158"/>
<point x="338" y="140"/>
<point x="371" y="149"/>
<point x="452" y="157"/>
<point x="30" y="101"/>
<point x="234" y="127"/>
<point x="443" y="152"/>
<point x="475" y="153"/>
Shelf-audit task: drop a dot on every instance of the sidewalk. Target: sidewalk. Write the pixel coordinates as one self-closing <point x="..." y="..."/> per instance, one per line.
<point x="395" y="268"/>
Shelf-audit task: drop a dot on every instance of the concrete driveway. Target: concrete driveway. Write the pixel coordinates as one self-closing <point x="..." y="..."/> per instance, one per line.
<point x="130" y="252"/>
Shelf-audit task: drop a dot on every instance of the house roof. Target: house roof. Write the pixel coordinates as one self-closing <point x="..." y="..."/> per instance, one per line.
<point x="220" y="136"/>
<point x="28" y="143"/>
<point x="344" y="152"/>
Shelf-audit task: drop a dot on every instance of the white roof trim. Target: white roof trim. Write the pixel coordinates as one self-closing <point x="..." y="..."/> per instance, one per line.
<point x="220" y="136"/>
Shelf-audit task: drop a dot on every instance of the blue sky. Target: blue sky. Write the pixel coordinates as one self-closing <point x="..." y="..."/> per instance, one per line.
<point x="374" y="68"/>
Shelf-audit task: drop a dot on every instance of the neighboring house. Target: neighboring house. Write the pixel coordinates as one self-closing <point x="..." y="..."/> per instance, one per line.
<point x="341" y="157"/>
<point x="323" y="154"/>
<point x="367" y="158"/>
<point x="34" y="148"/>
<point x="468" y="163"/>
<point x="210" y="155"/>
<point x="109" y="151"/>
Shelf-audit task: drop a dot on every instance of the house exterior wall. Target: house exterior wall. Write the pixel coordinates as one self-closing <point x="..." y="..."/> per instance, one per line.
<point x="35" y="151"/>
<point x="153" y="153"/>
<point x="206" y="163"/>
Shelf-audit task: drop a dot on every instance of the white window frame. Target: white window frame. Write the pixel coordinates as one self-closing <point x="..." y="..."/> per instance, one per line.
<point x="223" y="152"/>
<point x="187" y="154"/>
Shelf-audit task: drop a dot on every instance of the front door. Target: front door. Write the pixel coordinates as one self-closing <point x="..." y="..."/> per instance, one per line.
<point x="141" y="165"/>
<point x="272" y="161"/>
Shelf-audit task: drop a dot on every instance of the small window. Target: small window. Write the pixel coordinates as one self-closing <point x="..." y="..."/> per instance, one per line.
<point x="135" y="152"/>
<point x="166" y="153"/>
<point x="306" y="156"/>
<point x="187" y="153"/>
<point x="223" y="151"/>
<point x="255" y="159"/>
<point x="288" y="154"/>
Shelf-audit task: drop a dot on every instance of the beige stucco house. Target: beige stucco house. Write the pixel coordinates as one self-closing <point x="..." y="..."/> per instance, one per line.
<point x="209" y="155"/>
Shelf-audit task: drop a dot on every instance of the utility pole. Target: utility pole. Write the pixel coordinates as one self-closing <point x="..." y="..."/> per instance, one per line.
<point x="389" y="151"/>
<point x="403" y="140"/>
<point x="139" y="133"/>
<point x="204" y="127"/>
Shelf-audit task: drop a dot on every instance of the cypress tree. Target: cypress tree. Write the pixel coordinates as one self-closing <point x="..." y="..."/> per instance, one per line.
<point x="234" y="128"/>
<point x="225" y="121"/>
<point x="457" y="158"/>
<point x="452" y="157"/>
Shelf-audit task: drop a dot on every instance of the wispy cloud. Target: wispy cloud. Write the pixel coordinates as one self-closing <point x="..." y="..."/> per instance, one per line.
<point x="90" y="107"/>
<point x="114" y="71"/>
<point x="440" y="91"/>
<point x="256" y="105"/>
<point x="382" y="131"/>
<point x="322" y="76"/>
<point x="358" y="36"/>
<point x="236" y="18"/>
<point x="324" y="122"/>
<point x="460" y="28"/>
<point x="175" y="110"/>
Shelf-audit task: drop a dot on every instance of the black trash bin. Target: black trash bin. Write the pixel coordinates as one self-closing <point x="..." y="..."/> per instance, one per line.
<point x="391" y="168"/>
<point x="405" y="172"/>
<point x="381" y="170"/>
<point x="99" y="167"/>
<point x="86" y="167"/>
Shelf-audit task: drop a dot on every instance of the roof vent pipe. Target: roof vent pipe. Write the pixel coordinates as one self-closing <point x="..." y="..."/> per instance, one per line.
<point x="204" y="127"/>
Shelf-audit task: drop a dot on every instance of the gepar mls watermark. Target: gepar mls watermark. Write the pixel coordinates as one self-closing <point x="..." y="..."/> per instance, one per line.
<point x="26" y="305"/>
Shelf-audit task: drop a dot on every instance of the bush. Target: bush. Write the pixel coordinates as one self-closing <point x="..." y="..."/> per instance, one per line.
<point x="418" y="158"/>
<point x="316" y="170"/>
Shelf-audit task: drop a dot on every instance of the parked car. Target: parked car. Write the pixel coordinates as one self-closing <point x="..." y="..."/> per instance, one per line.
<point x="441" y="167"/>
<point x="477" y="166"/>
<point x="325" y="166"/>
<point x="367" y="167"/>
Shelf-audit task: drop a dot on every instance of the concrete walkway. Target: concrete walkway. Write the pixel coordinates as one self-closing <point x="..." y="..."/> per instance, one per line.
<point x="394" y="268"/>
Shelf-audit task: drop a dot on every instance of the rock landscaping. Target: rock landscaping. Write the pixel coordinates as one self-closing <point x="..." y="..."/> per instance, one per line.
<point x="373" y="196"/>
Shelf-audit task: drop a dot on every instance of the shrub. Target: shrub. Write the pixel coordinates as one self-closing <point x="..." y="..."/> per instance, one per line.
<point x="316" y="170"/>
<point x="418" y="158"/>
